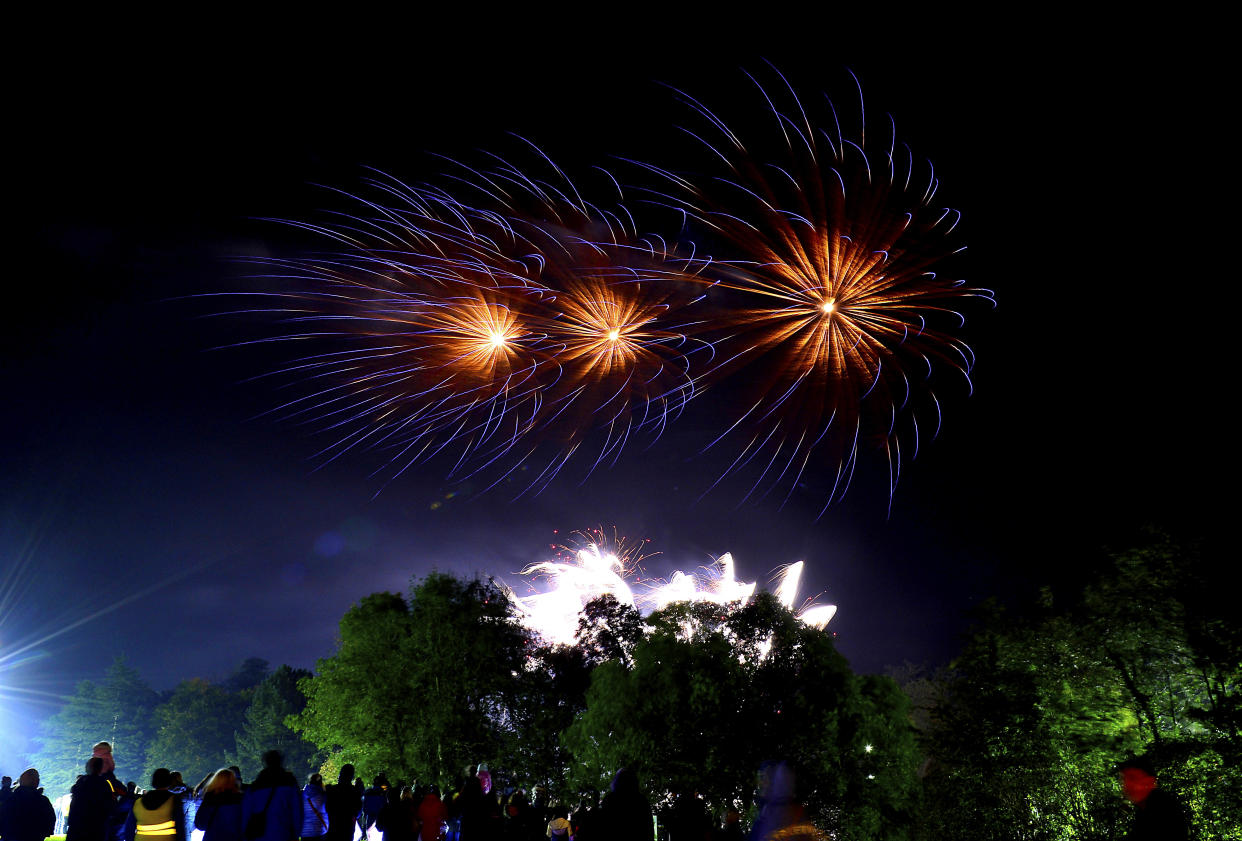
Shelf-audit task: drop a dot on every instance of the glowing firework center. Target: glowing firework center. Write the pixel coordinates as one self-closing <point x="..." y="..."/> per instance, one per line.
<point x="553" y="614"/>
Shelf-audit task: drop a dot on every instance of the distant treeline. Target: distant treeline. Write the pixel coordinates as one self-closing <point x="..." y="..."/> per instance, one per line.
<point x="1017" y="738"/>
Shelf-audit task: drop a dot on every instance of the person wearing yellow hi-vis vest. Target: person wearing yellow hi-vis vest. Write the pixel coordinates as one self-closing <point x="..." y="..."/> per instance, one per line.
<point x="157" y="815"/>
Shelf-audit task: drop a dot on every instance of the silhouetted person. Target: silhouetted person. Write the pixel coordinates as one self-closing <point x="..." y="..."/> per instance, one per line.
<point x="687" y="819"/>
<point x="625" y="814"/>
<point x="732" y="829"/>
<point x="373" y="800"/>
<point x="396" y="818"/>
<point x="122" y="809"/>
<point x="103" y="750"/>
<point x="343" y="803"/>
<point x="272" y="806"/>
<point x="472" y="811"/>
<point x="157" y="812"/>
<point x="91" y="806"/>
<point x="26" y="815"/>
<point x="241" y="782"/>
<point x="781" y="813"/>
<point x="219" y="815"/>
<point x="585" y="819"/>
<point x="1157" y="814"/>
<point x="122" y="800"/>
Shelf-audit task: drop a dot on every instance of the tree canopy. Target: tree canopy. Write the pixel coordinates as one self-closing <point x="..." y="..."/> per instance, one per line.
<point x="264" y="727"/>
<point x="1033" y="716"/>
<point x="418" y="687"/>
<point x="712" y="693"/>
<point x="117" y="710"/>
<point x="1017" y="739"/>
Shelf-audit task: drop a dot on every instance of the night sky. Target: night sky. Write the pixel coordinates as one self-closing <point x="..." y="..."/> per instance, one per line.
<point x="133" y="466"/>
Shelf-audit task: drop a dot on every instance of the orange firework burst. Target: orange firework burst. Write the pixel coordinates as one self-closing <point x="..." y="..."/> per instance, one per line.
<point x="525" y="326"/>
<point x="494" y="332"/>
<point x="843" y="308"/>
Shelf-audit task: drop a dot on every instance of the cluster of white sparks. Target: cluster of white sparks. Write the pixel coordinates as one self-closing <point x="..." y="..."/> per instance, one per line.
<point x="596" y="571"/>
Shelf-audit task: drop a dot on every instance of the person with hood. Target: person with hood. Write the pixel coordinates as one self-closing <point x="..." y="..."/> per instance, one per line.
<point x="272" y="805"/>
<point x="157" y="815"/>
<point x="782" y="817"/>
<point x="91" y="804"/>
<point x="219" y="815"/>
<point x="432" y="816"/>
<point x="1157" y="814"/>
<point x="625" y="814"/>
<point x="314" y="808"/>
<point x="26" y="814"/>
<point x="188" y="804"/>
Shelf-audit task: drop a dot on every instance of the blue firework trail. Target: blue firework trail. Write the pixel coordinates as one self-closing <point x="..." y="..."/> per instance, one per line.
<point x="510" y="325"/>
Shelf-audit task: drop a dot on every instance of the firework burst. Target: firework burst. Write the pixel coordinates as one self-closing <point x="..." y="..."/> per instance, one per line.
<point x="597" y="564"/>
<point x="512" y="325"/>
<point x="493" y="333"/>
<point x="839" y="305"/>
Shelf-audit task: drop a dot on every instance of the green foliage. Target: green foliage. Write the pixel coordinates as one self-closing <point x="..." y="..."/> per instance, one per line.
<point x="194" y="730"/>
<point x="117" y="711"/>
<point x="274" y="701"/>
<point x="417" y="689"/>
<point x="248" y="675"/>
<point x="1016" y="740"/>
<point x="608" y="630"/>
<point x="713" y="692"/>
<point x="1039" y="708"/>
<point x="548" y="693"/>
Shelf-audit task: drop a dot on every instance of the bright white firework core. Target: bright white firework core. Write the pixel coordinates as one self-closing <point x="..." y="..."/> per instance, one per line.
<point x="554" y="613"/>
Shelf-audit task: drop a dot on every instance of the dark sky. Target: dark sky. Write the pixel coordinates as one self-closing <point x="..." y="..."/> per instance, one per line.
<point x="136" y="483"/>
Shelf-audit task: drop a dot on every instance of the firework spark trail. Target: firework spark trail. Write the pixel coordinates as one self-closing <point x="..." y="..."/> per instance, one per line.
<point x="601" y="566"/>
<point x="522" y="325"/>
<point x="489" y="332"/>
<point x="839" y="315"/>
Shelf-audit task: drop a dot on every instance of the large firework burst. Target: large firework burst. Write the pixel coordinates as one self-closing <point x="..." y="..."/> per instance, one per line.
<point x="511" y="325"/>
<point x="841" y="306"/>
<point x="596" y="564"/>
<point x="494" y="332"/>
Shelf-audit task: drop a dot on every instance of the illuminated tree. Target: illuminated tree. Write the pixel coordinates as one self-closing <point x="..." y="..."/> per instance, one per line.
<point x="418" y="688"/>
<point x="713" y="692"/>
<point x="117" y="710"/>
<point x="273" y="702"/>
<point x="195" y="730"/>
<point x="1043" y="703"/>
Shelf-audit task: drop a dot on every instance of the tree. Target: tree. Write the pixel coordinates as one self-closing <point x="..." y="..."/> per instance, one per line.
<point x="1043" y="703"/>
<point x="195" y="729"/>
<point x="417" y="689"/>
<point x="248" y="675"/>
<point x="549" y="692"/>
<point x="712" y="692"/>
<point x="672" y="715"/>
<point x="264" y="728"/>
<point x="118" y="711"/>
<point x="608" y="630"/>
